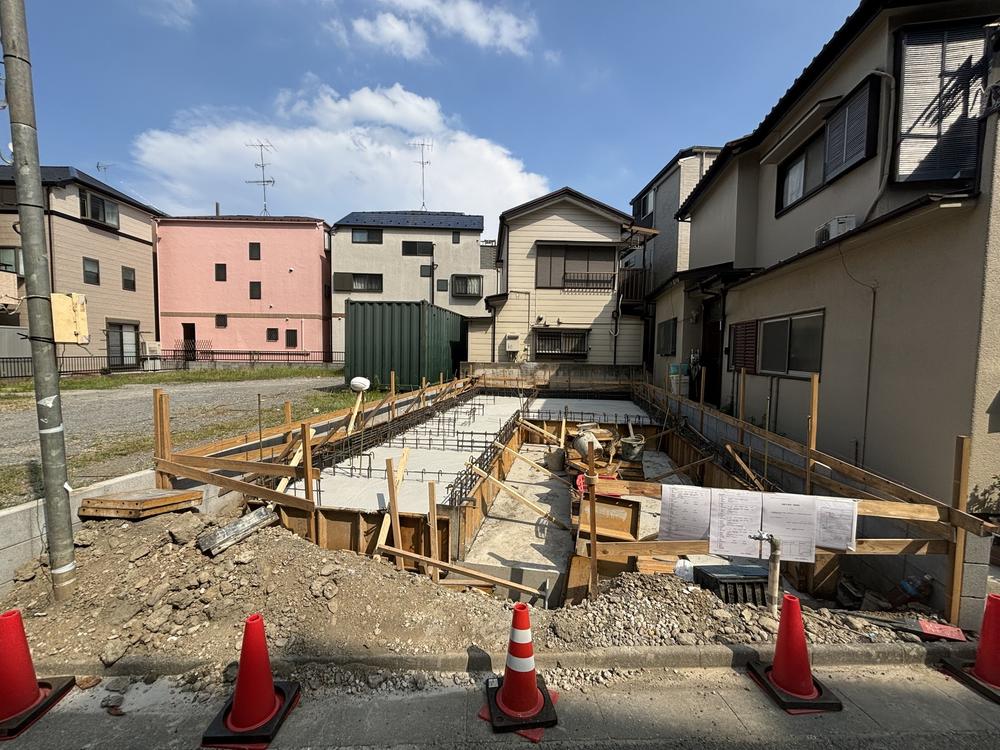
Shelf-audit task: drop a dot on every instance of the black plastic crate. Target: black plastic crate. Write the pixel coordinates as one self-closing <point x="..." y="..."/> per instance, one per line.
<point x="734" y="584"/>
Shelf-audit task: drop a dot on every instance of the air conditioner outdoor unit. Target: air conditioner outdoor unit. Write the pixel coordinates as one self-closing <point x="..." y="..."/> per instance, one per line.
<point x="512" y="343"/>
<point x="837" y="226"/>
<point x="150" y="348"/>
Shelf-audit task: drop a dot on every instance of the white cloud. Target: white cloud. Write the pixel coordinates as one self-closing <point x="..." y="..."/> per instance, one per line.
<point x="552" y="56"/>
<point x="393" y="34"/>
<point x="335" y="154"/>
<point x="488" y="27"/>
<point x="336" y="28"/>
<point x="176" y="14"/>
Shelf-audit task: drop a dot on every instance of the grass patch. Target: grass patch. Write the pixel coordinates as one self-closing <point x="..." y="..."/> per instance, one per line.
<point x="226" y="375"/>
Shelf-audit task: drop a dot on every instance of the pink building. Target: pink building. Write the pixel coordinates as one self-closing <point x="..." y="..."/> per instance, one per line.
<point x="245" y="284"/>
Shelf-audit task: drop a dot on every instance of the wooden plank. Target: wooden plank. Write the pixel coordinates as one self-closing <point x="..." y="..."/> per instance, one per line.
<point x="401" y="469"/>
<point x="538" y="466"/>
<point x="467" y="572"/>
<point x="682" y="469"/>
<point x="811" y="428"/>
<point x="160" y="478"/>
<point x="616" y="516"/>
<point x="517" y="496"/>
<point x="394" y="509"/>
<point x="228" y="483"/>
<point x="392" y="393"/>
<point x="244" y="467"/>
<point x="383" y="533"/>
<point x="98" y="503"/>
<point x="305" y="435"/>
<point x="562" y="431"/>
<point x="134" y="512"/>
<point x="539" y="431"/>
<point x="432" y="528"/>
<point x="898" y="547"/>
<point x="577" y="579"/>
<point x="746" y="469"/>
<point x="217" y="540"/>
<point x="354" y="411"/>
<point x="591" y="483"/>
<point x="960" y="499"/>
<point x="294" y="461"/>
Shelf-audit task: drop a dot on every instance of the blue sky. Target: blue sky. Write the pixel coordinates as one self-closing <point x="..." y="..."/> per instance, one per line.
<point x="517" y="97"/>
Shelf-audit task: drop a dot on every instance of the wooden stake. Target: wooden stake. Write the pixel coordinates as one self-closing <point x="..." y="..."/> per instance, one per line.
<point x="746" y="469"/>
<point x="423" y="388"/>
<point x="539" y="431"/>
<point x="158" y="436"/>
<point x="393" y="509"/>
<point x="562" y="432"/>
<point x="701" y="400"/>
<point x="307" y="460"/>
<point x="392" y="394"/>
<point x="518" y="496"/>
<point x="813" y="417"/>
<point x="960" y="498"/>
<point x="743" y="397"/>
<point x="538" y="466"/>
<point x="592" y="494"/>
<point x="432" y="527"/>
<point x="354" y="412"/>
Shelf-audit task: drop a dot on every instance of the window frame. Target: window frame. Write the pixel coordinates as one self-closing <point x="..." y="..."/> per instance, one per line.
<point x="410" y="249"/>
<point x="456" y="237"/>
<point x="97" y="272"/>
<point x="267" y="335"/>
<point x="225" y="272"/>
<point x="563" y="248"/>
<point x="871" y="145"/>
<point x="253" y="251"/>
<point x="354" y="281"/>
<point x="753" y="326"/>
<point x="672" y="329"/>
<point x="87" y="208"/>
<point x="649" y="197"/>
<point x="788" y="373"/>
<point x="126" y="288"/>
<point x="221" y="320"/>
<point x="18" y="260"/>
<point x="467" y="295"/>
<point x="369" y="231"/>
<point x="562" y="333"/>
<point x="897" y="125"/>
<point x="291" y="338"/>
<point x="260" y="290"/>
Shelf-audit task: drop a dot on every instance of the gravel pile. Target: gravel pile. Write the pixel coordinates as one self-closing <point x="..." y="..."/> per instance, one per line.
<point x="664" y="610"/>
<point x="145" y="591"/>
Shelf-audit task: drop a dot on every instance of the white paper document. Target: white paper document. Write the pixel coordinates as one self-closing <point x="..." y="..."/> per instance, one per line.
<point x="791" y="518"/>
<point x="736" y="515"/>
<point x="836" y="522"/>
<point x="685" y="512"/>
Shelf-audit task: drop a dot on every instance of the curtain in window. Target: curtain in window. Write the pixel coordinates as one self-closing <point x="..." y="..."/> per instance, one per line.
<point x="794" y="181"/>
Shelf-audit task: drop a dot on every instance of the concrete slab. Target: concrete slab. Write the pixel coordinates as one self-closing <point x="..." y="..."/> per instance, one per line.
<point x="594" y="409"/>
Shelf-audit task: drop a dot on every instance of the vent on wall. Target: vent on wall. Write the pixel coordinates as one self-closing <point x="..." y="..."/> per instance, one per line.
<point x="834" y="228"/>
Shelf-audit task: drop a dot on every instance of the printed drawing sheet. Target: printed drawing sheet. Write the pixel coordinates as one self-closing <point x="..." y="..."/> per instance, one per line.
<point x="685" y="512"/>
<point x="735" y="517"/>
<point x="791" y="518"/>
<point x="836" y="522"/>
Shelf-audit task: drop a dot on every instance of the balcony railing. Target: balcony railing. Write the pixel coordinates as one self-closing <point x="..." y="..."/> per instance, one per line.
<point x="589" y="281"/>
<point x="632" y="284"/>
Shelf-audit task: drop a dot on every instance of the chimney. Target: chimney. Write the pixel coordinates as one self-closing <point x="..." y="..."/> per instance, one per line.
<point x="217" y="212"/>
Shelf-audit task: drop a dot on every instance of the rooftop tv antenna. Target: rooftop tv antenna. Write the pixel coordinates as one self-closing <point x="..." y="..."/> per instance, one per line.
<point x="424" y="146"/>
<point x="103" y="166"/>
<point x="264" y="181"/>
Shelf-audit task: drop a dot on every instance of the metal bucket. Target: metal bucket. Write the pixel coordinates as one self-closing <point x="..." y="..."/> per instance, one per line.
<point x="556" y="460"/>
<point x="587" y="438"/>
<point x="632" y="447"/>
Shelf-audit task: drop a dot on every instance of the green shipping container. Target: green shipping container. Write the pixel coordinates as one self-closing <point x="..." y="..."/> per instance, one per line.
<point x="416" y="339"/>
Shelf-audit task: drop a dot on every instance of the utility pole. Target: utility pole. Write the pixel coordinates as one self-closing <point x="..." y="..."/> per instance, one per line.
<point x="31" y="214"/>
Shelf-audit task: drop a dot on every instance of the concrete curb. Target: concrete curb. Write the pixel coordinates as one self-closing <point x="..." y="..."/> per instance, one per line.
<point x="476" y="660"/>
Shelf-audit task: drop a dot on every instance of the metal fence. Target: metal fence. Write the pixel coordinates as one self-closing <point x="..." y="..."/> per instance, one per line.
<point x="171" y="359"/>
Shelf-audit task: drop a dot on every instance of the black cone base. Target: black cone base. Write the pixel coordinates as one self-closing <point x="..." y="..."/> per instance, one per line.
<point x="501" y="722"/>
<point x="57" y="687"/>
<point x="219" y="735"/>
<point x="825" y="701"/>
<point x="962" y="671"/>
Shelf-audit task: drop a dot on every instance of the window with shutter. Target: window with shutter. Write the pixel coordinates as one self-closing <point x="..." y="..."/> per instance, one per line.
<point x="343" y="282"/>
<point x="851" y="130"/>
<point x="743" y="346"/>
<point x="666" y="338"/>
<point x="943" y="73"/>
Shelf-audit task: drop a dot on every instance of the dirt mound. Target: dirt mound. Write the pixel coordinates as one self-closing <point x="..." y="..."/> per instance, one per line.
<point x="147" y="593"/>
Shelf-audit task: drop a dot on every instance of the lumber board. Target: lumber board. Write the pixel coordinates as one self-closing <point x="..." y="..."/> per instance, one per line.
<point x="296" y="458"/>
<point x="681" y="469"/>
<point x="390" y="475"/>
<point x="518" y="496"/>
<point x="539" y="431"/>
<point x="245" y="467"/>
<point x="147" y="496"/>
<point x="228" y="483"/>
<point x="614" y="487"/>
<point x="354" y="411"/>
<point x="536" y="465"/>
<point x="134" y="512"/>
<point x="468" y="572"/>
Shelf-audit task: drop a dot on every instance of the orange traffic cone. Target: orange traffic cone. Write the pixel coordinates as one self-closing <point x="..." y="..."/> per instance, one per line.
<point x="252" y="717"/>
<point x="519" y="701"/>
<point x="983" y="675"/>
<point x="23" y="697"/>
<point x="789" y="680"/>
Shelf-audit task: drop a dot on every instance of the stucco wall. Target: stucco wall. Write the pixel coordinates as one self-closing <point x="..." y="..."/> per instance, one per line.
<point x="569" y="222"/>
<point x="401" y="279"/>
<point x="291" y="269"/>
<point x="713" y="225"/>
<point x="673" y="303"/>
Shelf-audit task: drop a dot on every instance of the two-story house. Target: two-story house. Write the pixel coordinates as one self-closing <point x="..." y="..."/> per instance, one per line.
<point x="100" y="244"/>
<point x="563" y="295"/>
<point x="244" y="284"/>
<point x="864" y="216"/>
<point x="408" y="256"/>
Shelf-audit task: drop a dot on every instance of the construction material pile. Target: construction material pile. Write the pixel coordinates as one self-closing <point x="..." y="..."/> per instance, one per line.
<point x="146" y="595"/>
<point x="664" y="610"/>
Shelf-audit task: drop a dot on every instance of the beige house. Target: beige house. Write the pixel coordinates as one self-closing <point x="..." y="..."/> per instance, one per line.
<point x="856" y="234"/>
<point x="100" y="244"/>
<point x="403" y="256"/>
<point x="563" y="295"/>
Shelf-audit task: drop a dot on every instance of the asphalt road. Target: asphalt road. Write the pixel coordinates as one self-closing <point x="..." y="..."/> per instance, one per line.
<point x="904" y="708"/>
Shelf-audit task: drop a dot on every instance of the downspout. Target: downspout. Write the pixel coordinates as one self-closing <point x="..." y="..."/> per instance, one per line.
<point x="493" y="336"/>
<point x="868" y="375"/>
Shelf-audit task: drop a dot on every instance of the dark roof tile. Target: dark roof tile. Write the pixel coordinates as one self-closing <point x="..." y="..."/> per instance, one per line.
<point x="412" y="220"/>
